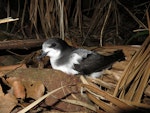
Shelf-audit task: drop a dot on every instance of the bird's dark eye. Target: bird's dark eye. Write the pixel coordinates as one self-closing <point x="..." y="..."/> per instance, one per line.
<point x="53" y="44"/>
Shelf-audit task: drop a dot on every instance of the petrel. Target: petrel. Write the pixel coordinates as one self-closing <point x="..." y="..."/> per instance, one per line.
<point x="74" y="61"/>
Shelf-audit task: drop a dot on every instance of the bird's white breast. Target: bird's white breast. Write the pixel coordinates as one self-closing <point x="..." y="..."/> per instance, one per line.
<point x="68" y="66"/>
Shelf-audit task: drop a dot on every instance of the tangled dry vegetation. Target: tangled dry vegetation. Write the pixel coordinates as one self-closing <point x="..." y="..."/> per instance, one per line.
<point x="107" y="22"/>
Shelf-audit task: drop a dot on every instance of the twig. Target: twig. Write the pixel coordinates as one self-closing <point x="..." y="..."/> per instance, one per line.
<point x="9" y="19"/>
<point x="137" y="30"/>
<point x="20" y="44"/>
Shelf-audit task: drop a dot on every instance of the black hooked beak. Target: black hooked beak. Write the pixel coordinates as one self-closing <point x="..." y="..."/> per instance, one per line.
<point x="42" y="55"/>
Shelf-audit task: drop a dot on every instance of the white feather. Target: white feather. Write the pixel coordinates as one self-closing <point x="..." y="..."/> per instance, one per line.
<point x="96" y="74"/>
<point x="67" y="67"/>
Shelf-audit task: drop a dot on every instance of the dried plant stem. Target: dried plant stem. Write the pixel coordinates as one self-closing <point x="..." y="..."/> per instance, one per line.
<point x="61" y="18"/>
<point x="42" y="17"/>
<point x="101" y="83"/>
<point x="78" y="15"/>
<point x="80" y="103"/>
<point x="8" y="13"/>
<point x="148" y="20"/>
<point x="143" y="83"/>
<point x="23" y="17"/>
<point x="104" y="24"/>
<point x="140" y="105"/>
<point x="135" y="76"/>
<point x="18" y="11"/>
<point x="101" y="104"/>
<point x="33" y="13"/>
<point x="109" y="97"/>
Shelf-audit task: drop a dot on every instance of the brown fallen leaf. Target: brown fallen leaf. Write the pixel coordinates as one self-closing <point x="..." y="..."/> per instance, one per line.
<point x="17" y="87"/>
<point x="34" y="89"/>
<point x="7" y="102"/>
<point x="53" y="79"/>
<point x="10" y="80"/>
<point x="1" y="91"/>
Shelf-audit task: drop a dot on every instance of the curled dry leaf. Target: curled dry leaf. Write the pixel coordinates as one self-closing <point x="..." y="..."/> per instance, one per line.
<point x="17" y="87"/>
<point x="7" y="102"/>
<point x="34" y="89"/>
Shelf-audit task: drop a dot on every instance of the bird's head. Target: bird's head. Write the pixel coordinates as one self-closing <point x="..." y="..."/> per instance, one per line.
<point x="53" y="47"/>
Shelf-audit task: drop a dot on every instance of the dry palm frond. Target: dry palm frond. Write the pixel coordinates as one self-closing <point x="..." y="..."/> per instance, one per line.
<point x="136" y="75"/>
<point x="109" y="97"/>
<point x="102" y="104"/>
<point x="80" y="103"/>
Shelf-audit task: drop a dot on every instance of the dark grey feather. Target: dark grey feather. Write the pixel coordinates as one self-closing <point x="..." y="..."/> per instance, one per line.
<point x="95" y="62"/>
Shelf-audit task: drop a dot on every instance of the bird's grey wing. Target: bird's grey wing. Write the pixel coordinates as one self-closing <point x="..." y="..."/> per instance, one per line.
<point x="83" y="52"/>
<point x="92" y="63"/>
<point x="95" y="62"/>
<point x="70" y="53"/>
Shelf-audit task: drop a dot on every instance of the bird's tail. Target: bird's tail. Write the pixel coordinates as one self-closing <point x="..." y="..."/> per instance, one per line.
<point x="118" y="55"/>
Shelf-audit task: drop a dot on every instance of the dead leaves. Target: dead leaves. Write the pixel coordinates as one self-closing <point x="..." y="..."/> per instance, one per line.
<point x="34" y="89"/>
<point x="19" y="89"/>
<point x="28" y="87"/>
<point x="7" y="102"/>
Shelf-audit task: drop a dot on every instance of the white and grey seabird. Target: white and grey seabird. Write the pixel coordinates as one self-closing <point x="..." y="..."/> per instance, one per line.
<point x="73" y="61"/>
